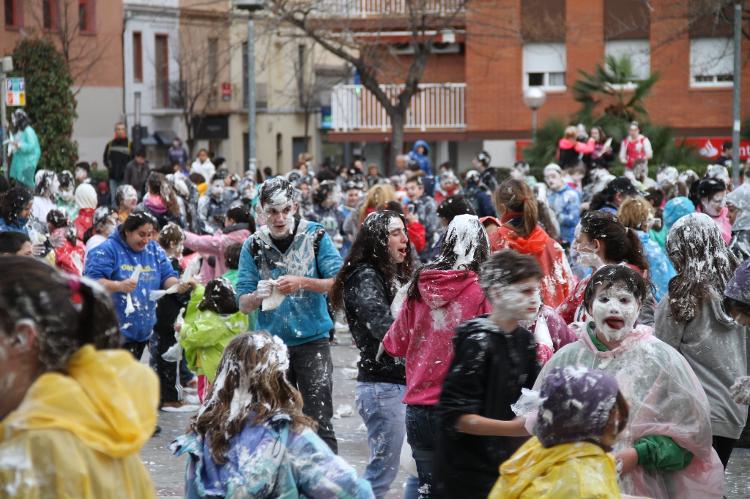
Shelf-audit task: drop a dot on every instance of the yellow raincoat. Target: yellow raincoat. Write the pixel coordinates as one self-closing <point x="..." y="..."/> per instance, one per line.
<point x="79" y="435"/>
<point x="565" y="471"/>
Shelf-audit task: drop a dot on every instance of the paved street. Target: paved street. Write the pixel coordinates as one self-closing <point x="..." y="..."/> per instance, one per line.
<point x="168" y="472"/>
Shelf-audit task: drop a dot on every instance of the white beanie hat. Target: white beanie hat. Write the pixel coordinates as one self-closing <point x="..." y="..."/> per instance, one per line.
<point x="86" y="196"/>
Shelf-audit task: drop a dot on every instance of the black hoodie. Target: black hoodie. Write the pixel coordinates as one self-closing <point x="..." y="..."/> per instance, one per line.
<point x="489" y="369"/>
<point x="367" y="303"/>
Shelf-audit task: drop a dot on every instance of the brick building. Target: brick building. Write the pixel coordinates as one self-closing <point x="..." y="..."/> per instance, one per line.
<point x="92" y="32"/>
<point x="499" y="48"/>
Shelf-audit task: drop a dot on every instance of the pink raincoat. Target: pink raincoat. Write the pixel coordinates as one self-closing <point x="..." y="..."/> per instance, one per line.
<point x="666" y="399"/>
<point x="725" y="226"/>
<point x="423" y="330"/>
<point x="214" y="245"/>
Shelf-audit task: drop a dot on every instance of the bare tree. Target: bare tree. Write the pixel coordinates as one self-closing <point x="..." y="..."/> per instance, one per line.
<point x="65" y="23"/>
<point x="203" y="60"/>
<point x="362" y="43"/>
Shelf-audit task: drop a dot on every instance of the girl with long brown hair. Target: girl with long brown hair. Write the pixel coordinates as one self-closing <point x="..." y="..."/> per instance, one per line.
<point x="251" y="439"/>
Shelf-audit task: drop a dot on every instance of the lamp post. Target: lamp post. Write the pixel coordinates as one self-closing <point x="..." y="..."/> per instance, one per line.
<point x="736" y="93"/>
<point x="137" y="121"/>
<point x="251" y="6"/>
<point x="534" y="98"/>
<point x="6" y="66"/>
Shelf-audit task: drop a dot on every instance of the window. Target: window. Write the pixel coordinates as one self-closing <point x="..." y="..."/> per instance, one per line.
<point x="639" y="53"/>
<point x="50" y="14"/>
<point x="544" y="65"/>
<point x="137" y="57"/>
<point x="13" y="17"/>
<point x="711" y="62"/>
<point x="86" y="19"/>
<point x="161" y="70"/>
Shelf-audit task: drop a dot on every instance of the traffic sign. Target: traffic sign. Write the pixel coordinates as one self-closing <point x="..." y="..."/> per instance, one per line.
<point x="15" y="92"/>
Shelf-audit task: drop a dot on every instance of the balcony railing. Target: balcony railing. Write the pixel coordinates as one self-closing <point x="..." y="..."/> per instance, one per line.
<point x="435" y="106"/>
<point x="367" y="8"/>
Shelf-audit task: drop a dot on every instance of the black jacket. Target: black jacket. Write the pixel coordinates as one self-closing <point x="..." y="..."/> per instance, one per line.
<point x="367" y="303"/>
<point x="486" y="376"/>
<point x="117" y="154"/>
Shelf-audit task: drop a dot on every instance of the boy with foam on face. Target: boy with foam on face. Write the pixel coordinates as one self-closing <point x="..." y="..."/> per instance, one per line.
<point x="286" y="269"/>
<point x="494" y="358"/>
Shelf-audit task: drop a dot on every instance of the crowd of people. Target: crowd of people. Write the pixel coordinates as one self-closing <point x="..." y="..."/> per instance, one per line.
<point x="580" y="335"/>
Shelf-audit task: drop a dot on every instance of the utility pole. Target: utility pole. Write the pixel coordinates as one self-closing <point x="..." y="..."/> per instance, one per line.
<point x="6" y="67"/>
<point x="251" y="6"/>
<point x="736" y="92"/>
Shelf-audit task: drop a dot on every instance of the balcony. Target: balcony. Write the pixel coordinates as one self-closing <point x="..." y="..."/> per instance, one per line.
<point x="437" y="106"/>
<point x="387" y="8"/>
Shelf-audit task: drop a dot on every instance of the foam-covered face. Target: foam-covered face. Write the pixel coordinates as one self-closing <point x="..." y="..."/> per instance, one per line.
<point x="615" y="311"/>
<point x="586" y="251"/>
<point x="554" y="180"/>
<point x="217" y="189"/>
<point x="352" y="197"/>
<point x="595" y="134"/>
<point x="397" y="240"/>
<point x="519" y="301"/>
<point x="712" y="206"/>
<point x="80" y="174"/>
<point x="129" y="198"/>
<point x="633" y="132"/>
<point x="280" y="218"/>
<point x="334" y="197"/>
<point x="67" y="195"/>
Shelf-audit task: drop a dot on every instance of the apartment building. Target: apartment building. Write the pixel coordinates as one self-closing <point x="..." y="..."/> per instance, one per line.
<point x="90" y="31"/>
<point x="473" y="86"/>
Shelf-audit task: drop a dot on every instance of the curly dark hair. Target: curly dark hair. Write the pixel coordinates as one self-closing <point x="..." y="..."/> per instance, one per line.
<point x="608" y="276"/>
<point x="371" y="247"/>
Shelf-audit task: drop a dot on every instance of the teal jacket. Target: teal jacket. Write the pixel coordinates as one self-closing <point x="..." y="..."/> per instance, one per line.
<point x="26" y="157"/>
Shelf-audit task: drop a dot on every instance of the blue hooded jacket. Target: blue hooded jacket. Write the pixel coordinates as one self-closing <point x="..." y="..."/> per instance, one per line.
<point x="303" y="316"/>
<point x="566" y="204"/>
<point x="269" y="459"/>
<point x="19" y="226"/>
<point x="423" y="160"/>
<point x="115" y="260"/>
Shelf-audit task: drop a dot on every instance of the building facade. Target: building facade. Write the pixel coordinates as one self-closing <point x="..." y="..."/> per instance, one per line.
<point x="90" y="32"/>
<point x="474" y="84"/>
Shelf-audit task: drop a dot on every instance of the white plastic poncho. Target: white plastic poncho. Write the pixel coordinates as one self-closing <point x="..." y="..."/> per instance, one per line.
<point x="665" y="398"/>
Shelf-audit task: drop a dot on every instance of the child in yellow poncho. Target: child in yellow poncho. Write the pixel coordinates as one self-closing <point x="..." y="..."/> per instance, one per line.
<point x="581" y="413"/>
<point x="211" y="320"/>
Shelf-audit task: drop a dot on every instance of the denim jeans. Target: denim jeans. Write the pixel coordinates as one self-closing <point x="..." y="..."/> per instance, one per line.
<point x="311" y="372"/>
<point x="422" y="427"/>
<point x="381" y="409"/>
<point x="113" y="185"/>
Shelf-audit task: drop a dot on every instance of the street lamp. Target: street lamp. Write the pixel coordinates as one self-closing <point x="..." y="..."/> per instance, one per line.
<point x="6" y="66"/>
<point x="251" y="6"/>
<point x="137" y="122"/>
<point x="534" y="98"/>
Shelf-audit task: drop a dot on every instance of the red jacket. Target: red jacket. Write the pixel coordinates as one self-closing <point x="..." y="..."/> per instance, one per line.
<point x="416" y="232"/>
<point x="423" y="330"/>
<point x="83" y="221"/>
<point x="558" y="279"/>
<point x="69" y="257"/>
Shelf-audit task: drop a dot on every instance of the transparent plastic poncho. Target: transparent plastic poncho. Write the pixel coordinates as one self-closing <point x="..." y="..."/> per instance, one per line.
<point x="665" y="398"/>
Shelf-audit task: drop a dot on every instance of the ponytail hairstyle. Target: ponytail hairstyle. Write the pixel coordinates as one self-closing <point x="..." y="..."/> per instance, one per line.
<point x="68" y="312"/>
<point x="621" y="244"/>
<point x="519" y="206"/>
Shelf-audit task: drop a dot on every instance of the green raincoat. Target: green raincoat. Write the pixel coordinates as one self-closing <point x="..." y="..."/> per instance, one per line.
<point x="205" y="334"/>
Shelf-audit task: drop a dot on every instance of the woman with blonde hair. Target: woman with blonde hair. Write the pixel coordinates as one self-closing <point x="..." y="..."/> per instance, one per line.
<point x="636" y="214"/>
<point x="251" y="439"/>
<point x="377" y="195"/>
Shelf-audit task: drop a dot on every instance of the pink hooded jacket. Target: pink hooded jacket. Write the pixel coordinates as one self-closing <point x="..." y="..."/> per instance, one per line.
<point x="214" y="245"/>
<point x="423" y="331"/>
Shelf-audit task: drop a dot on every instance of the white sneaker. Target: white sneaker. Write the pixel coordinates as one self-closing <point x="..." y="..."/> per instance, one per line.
<point x="180" y="408"/>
